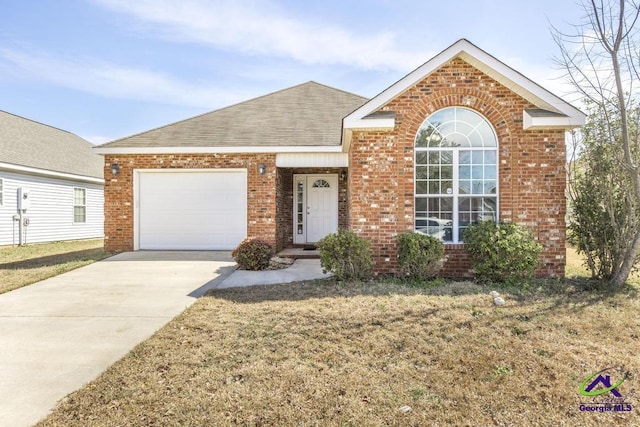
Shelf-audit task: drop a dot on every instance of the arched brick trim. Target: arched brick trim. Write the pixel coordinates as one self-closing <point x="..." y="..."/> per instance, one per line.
<point x="530" y="166"/>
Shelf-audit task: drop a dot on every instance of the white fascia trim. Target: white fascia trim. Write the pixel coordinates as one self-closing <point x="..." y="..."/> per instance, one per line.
<point x="370" y="124"/>
<point x="217" y="150"/>
<point x="312" y="160"/>
<point x="532" y="123"/>
<point x="476" y="57"/>
<point x="48" y="173"/>
<point x="524" y="87"/>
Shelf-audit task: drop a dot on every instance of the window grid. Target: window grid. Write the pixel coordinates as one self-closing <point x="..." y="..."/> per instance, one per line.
<point x="455" y="173"/>
<point x="79" y="205"/>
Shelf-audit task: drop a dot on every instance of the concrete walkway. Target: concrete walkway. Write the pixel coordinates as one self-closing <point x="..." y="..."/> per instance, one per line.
<point x="302" y="269"/>
<point x="58" y="334"/>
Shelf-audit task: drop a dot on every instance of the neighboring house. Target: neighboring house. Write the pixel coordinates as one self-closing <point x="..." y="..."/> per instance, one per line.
<point x="56" y="179"/>
<point x="460" y="139"/>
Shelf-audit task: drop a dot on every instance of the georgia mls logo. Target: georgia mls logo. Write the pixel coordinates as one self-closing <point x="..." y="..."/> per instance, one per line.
<point x="606" y="396"/>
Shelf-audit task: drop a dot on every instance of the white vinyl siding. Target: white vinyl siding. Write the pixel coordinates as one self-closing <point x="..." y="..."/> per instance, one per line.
<point x="1" y="191"/>
<point x="79" y="205"/>
<point x="51" y="211"/>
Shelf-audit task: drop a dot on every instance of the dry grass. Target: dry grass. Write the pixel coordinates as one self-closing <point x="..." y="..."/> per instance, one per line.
<point x="331" y="354"/>
<point x="24" y="265"/>
<point x="576" y="268"/>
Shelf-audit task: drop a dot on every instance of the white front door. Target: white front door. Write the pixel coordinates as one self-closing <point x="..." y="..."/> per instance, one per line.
<point x="315" y="207"/>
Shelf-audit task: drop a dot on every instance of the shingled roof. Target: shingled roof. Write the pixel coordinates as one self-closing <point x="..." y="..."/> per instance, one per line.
<point x="24" y="142"/>
<point x="309" y="114"/>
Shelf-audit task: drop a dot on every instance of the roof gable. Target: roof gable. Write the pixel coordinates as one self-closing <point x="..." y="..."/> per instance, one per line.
<point x="306" y="115"/>
<point x="29" y="145"/>
<point x="561" y="114"/>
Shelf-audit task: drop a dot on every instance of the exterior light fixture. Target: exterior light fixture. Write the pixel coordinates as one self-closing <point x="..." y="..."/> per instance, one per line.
<point x="262" y="169"/>
<point x="343" y="175"/>
<point x="115" y="169"/>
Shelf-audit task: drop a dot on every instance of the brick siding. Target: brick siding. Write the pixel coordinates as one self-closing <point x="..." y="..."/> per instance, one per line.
<point x="118" y="191"/>
<point x="530" y="167"/>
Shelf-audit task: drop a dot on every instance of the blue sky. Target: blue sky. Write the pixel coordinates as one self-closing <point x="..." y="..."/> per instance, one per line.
<point x="105" y="69"/>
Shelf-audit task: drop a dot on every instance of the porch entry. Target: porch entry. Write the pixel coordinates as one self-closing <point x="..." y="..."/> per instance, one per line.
<point x="315" y="210"/>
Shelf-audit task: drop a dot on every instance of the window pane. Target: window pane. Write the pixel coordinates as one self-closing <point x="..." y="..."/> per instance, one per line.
<point x="421" y="172"/>
<point x="447" y="128"/>
<point x="446" y="204"/>
<point x="434" y="187"/>
<point x="455" y="140"/>
<point x="490" y="187"/>
<point x="79" y="214"/>
<point x="490" y="172"/>
<point x="488" y="137"/>
<point x="424" y="134"/>
<point x="434" y="172"/>
<point x="477" y="157"/>
<point x="489" y="157"/>
<point x="421" y="187"/>
<point x="421" y="157"/>
<point x="465" y="172"/>
<point x="446" y="172"/>
<point x="468" y="116"/>
<point x="421" y="206"/>
<point x="476" y="172"/>
<point x="447" y="157"/>
<point x="446" y="115"/>
<point x="437" y="219"/>
<point x="464" y="187"/>
<point x="489" y="209"/>
<point x="465" y="157"/>
<point x="434" y="157"/>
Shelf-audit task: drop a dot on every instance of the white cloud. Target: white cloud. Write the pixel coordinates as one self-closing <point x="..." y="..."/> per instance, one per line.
<point x="115" y="81"/>
<point x="259" y="27"/>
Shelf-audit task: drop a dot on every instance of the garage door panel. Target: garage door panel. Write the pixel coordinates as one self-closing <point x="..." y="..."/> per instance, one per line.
<point x="192" y="210"/>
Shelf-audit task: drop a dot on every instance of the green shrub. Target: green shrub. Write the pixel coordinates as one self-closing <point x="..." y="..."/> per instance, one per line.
<point x="420" y="256"/>
<point x="346" y="255"/>
<point x="504" y="252"/>
<point x="253" y="254"/>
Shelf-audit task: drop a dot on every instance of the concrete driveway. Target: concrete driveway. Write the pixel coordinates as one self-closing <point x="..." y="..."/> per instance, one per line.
<point x="58" y="334"/>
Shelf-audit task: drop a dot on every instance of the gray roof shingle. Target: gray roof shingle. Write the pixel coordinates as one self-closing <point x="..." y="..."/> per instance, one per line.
<point x="309" y="114"/>
<point x="24" y="142"/>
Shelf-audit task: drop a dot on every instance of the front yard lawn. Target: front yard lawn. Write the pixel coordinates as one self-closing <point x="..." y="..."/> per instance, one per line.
<point x="335" y="354"/>
<point x="24" y="265"/>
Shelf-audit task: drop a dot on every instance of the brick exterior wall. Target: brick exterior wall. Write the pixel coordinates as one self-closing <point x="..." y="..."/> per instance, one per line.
<point x="118" y="191"/>
<point x="285" y="200"/>
<point x="530" y="167"/>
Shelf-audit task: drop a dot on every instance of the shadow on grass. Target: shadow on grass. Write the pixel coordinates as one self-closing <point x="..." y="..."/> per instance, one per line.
<point x="331" y="288"/>
<point x="87" y="254"/>
<point x="573" y="293"/>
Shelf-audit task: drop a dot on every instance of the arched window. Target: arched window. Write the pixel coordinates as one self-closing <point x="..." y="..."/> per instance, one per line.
<point x="321" y="183"/>
<point x="456" y="173"/>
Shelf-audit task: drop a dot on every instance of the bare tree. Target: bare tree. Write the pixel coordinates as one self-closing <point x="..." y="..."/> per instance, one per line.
<point x="602" y="61"/>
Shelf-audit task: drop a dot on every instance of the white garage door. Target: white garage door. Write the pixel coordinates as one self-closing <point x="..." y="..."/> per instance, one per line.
<point x="191" y="210"/>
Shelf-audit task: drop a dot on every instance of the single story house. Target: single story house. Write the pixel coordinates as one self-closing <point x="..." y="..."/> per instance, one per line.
<point x="51" y="184"/>
<point x="460" y="139"/>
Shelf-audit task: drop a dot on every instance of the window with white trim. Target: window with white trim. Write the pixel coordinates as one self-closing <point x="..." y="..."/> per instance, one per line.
<point x="456" y="173"/>
<point x="79" y="205"/>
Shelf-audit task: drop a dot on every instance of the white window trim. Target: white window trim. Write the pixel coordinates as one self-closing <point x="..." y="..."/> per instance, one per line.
<point x="456" y="176"/>
<point x="84" y="205"/>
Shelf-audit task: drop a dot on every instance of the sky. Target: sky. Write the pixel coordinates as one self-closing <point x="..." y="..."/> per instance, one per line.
<point x="106" y="69"/>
